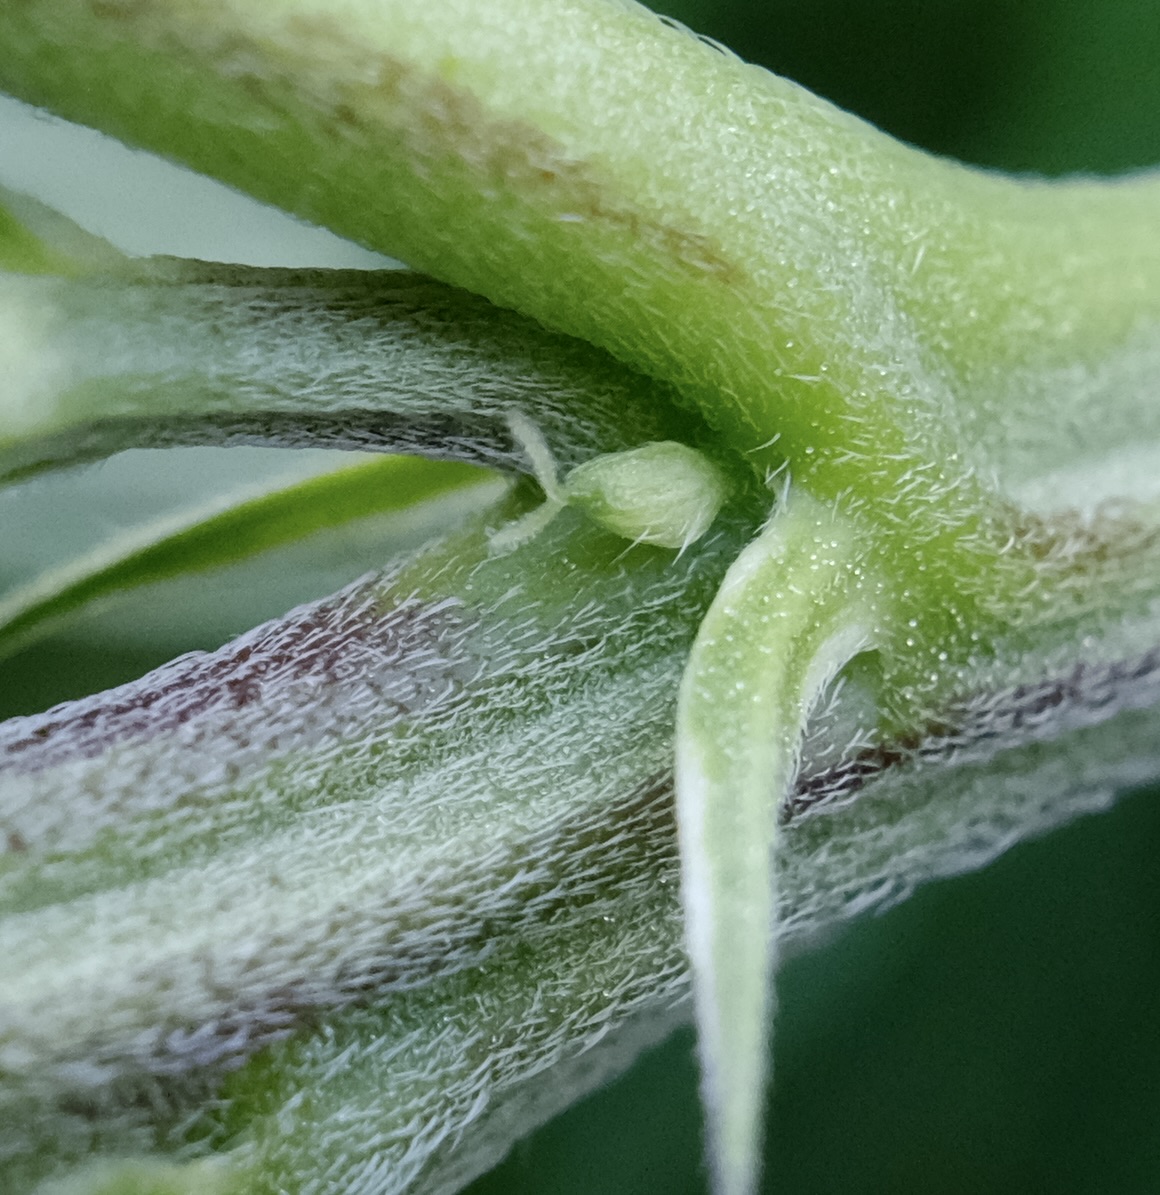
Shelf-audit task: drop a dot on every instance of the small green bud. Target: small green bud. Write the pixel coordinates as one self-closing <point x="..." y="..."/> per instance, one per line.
<point x="662" y="493"/>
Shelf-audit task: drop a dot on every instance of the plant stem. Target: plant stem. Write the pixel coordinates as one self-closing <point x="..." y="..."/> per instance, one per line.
<point x="181" y="353"/>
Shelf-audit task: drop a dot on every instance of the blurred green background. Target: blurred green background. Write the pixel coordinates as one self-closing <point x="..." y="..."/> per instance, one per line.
<point x="997" y="1033"/>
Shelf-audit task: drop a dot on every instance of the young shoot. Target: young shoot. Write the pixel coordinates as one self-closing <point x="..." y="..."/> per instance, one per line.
<point x="663" y="493"/>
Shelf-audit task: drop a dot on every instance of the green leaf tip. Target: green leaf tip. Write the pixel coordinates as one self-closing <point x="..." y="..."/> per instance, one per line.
<point x="230" y="530"/>
<point x="793" y="609"/>
<point x="34" y="239"/>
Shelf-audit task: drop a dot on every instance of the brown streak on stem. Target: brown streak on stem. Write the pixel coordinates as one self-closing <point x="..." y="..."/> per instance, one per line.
<point x="333" y="641"/>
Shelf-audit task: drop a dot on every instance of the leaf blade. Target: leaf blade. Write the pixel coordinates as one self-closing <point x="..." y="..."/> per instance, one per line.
<point x="200" y="540"/>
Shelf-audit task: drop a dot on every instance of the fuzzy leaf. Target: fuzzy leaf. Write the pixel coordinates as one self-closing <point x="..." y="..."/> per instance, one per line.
<point x="790" y="614"/>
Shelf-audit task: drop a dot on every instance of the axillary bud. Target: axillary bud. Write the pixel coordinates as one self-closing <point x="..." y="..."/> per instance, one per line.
<point x="664" y="493"/>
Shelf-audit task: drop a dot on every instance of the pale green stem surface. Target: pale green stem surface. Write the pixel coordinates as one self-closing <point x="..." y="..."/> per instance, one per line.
<point x="149" y="1176"/>
<point x="431" y="1085"/>
<point x="793" y="609"/>
<point x="104" y="352"/>
<point x="297" y="823"/>
<point x="190" y="353"/>
<point x="339" y="800"/>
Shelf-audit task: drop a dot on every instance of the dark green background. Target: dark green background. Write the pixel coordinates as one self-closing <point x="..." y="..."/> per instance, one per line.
<point x="997" y="1033"/>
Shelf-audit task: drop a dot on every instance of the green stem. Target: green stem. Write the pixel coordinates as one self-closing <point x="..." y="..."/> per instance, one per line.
<point x="150" y="1176"/>
<point x="178" y="352"/>
<point x="448" y="791"/>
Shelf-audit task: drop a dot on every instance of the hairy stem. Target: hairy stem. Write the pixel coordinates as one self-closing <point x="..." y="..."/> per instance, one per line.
<point x="183" y="353"/>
